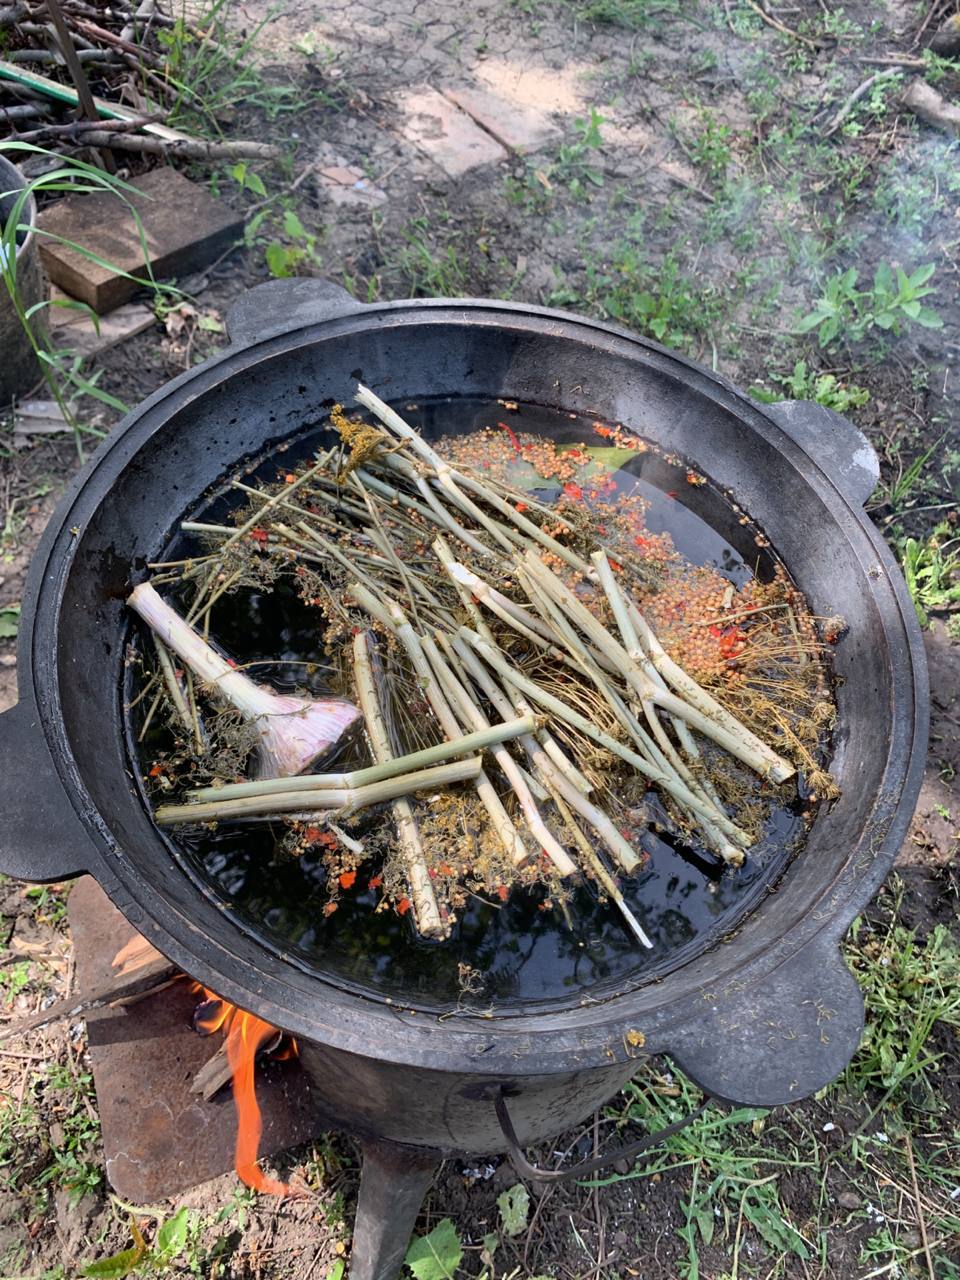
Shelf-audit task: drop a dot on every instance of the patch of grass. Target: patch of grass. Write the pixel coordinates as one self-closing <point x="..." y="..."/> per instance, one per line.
<point x="931" y="568"/>
<point x="660" y="300"/>
<point x="574" y="166"/>
<point x="431" y="270"/>
<point x="910" y="986"/>
<point x="807" y="384"/>
<point x="52" y="1138"/>
<point x="633" y="15"/>
<point x="710" y="146"/>
<point x="733" y="1165"/>
<point x="210" y="69"/>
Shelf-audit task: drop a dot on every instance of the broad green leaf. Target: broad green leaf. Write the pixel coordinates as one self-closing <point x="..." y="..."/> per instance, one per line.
<point x="514" y="1206"/>
<point x="764" y="1214"/>
<point x="9" y="621"/>
<point x="811" y="321"/>
<point x="883" y="278"/>
<point x="922" y="274"/>
<point x="706" y="1221"/>
<point x="885" y="320"/>
<point x="210" y="323"/>
<point x="929" y="318"/>
<point x="337" y="1270"/>
<point x="435" y="1256"/>
<point x="115" y="1267"/>
<point x="829" y="330"/>
<point x="254" y="183"/>
<point x="278" y="260"/>
<point x="172" y="1236"/>
<point x="293" y="226"/>
<point x="911" y="309"/>
<point x="491" y="1242"/>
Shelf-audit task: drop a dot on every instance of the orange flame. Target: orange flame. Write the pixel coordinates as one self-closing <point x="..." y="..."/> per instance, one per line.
<point x="244" y="1036"/>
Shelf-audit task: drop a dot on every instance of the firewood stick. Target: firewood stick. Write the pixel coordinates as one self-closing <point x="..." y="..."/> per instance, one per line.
<point x="139" y="983"/>
<point x="184" y="148"/>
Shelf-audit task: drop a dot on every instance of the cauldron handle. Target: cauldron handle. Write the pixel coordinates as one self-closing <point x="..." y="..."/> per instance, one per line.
<point x="278" y="305"/>
<point x="833" y="442"/>
<point x="629" y="1152"/>
<point x="778" y="1040"/>
<point x="41" y="837"/>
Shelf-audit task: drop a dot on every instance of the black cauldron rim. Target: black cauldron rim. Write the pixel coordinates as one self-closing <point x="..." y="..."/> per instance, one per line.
<point x="46" y="802"/>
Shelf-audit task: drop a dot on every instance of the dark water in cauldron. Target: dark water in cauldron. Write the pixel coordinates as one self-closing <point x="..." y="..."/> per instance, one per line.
<point x="526" y="957"/>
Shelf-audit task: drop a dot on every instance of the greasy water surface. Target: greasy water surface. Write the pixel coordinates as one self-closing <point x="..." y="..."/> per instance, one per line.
<point x="524" y="956"/>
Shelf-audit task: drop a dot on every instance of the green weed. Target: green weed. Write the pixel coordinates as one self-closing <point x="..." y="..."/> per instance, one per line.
<point x="659" y="300"/>
<point x="573" y="166"/>
<point x="9" y="621"/>
<point x="431" y="270"/>
<point x="710" y="148"/>
<point x="931" y="568"/>
<point x="60" y="369"/>
<point x="209" y="70"/>
<point x="910" y="986"/>
<point x="894" y="300"/>
<point x="634" y="15"/>
<point x="733" y="1174"/>
<point x="437" y="1255"/>
<point x="807" y="384"/>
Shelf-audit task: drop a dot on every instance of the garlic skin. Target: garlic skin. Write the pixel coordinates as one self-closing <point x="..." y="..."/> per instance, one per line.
<point x="293" y="731"/>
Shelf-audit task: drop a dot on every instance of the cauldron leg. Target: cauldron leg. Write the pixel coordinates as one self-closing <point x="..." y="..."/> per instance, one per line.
<point x="393" y="1181"/>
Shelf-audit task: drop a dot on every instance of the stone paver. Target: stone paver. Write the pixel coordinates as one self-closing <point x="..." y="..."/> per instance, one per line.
<point x="521" y="128"/>
<point x="445" y="133"/>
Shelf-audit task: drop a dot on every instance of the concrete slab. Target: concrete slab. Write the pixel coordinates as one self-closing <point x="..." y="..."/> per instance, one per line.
<point x="446" y="134"/>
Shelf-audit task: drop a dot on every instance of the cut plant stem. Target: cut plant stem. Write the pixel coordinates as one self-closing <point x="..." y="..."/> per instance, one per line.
<point x="459" y="698"/>
<point x="426" y="912"/>
<point x="393" y="618"/>
<point x="729" y="734"/>
<point x="346" y="801"/>
<point x="470" y="744"/>
<point x="452" y="480"/>
<point x="675" y="788"/>
<point x="553" y="776"/>
<point x="293" y="731"/>
<point x="775" y="767"/>
<point x="177" y="698"/>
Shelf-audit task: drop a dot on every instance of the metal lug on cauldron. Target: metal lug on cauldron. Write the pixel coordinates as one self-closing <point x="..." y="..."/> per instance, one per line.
<point x="393" y="1182"/>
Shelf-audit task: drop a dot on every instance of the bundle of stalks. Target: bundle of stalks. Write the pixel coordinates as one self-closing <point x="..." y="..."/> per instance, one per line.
<point x="507" y="659"/>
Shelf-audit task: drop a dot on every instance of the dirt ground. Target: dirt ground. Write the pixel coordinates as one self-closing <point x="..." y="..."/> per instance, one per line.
<point x="701" y="190"/>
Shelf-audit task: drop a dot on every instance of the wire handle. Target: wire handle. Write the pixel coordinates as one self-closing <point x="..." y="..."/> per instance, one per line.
<point x="536" y="1174"/>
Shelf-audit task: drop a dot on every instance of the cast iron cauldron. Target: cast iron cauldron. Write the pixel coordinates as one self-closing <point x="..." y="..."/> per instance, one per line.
<point x="767" y="1017"/>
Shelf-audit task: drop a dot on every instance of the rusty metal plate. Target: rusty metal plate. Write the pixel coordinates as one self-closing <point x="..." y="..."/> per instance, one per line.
<point x="160" y="1138"/>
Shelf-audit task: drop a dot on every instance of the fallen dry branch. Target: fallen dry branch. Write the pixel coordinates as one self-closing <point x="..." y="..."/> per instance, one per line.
<point x="184" y="148"/>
